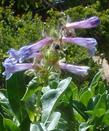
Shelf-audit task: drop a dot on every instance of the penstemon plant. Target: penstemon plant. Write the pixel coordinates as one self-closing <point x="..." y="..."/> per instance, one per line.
<point x="17" y="58"/>
<point x="35" y="107"/>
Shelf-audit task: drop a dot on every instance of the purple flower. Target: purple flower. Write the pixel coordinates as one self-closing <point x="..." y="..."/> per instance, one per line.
<point x="13" y="54"/>
<point x="78" y="70"/>
<point x="10" y="69"/>
<point x="88" y="23"/>
<point x="29" y="51"/>
<point x="89" y="43"/>
<point x="10" y="60"/>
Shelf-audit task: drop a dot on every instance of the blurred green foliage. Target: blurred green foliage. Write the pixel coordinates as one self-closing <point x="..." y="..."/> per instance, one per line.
<point x="27" y="25"/>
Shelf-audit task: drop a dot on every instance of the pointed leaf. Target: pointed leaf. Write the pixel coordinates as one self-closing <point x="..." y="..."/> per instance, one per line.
<point x="50" y="98"/>
<point x="38" y="127"/>
<point x="84" y="127"/>
<point x="85" y="97"/>
<point x="94" y="82"/>
<point x="74" y="89"/>
<point x="106" y="118"/>
<point x="10" y="125"/>
<point x="100" y="107"/>
<point x="80" y="108"/>
<point x="1" y="123"/>
<point x="15" y="90"/>
<point x="54" y="119"/>
<point x="32" y="87"/>
<point x="25" y="125"/>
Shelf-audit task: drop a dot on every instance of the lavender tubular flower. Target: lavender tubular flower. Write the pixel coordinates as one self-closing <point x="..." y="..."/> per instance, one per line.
<point x="88" y="23"/>
<point x="13" y="53"/>
<point x="29" y="51"/>
<point x="78" y="70"/>
<point x="25" y="57"/>
<point x="38" y="45"/>
<point x="33" y="50"/>
<point x="10" y="69"/>
<point x="10" y="60"/>
<point x="89" y="43"/>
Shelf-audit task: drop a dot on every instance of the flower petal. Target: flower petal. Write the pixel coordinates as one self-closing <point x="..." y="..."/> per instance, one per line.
<point x="30" y="51"/>
<point x="78" y="70"/>
<point x="10" y="68"/>
<point x="89" y="43"/>
<point x="14" y="54"/>
<point x="10" y="60"/>
<point x="88" y="23"/>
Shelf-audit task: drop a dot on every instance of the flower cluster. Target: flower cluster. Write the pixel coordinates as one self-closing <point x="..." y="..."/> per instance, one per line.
<point x="18" y="59"/>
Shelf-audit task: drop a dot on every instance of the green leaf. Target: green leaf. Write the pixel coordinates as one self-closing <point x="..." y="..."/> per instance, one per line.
<point x="3" y="98"/>
<point x="106" y="118"/>
<point x="32" y="87"/>
<point x="100" y="107"/>
<point x="15" y="90"/>
<point x="38" y="127"/>
<point x="97" y="107"/>
<point x="85" y="97"/>
<point x="54" y="119"/>
<point x="53" y="79"/>
<point x="80" y="108"/>
<point x="1" y="123"/>
<point x="25" y="125"/>
<point x="94" y="82"/>
<point x="74" y="89"/>
<point x="96" y="113"/>
<point x="101" y="102"/>
<point x="10" y="125"/>
<point x="50" y="98"/>
<point x="101" y="87"/>
<point x="4" y="106"/>
<point x="92" y="102"/>
<point x="30" y="106"/>
<point x="99" y="112"/>
<point x="84" y="127"/>
<point x="96" y="99"/>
